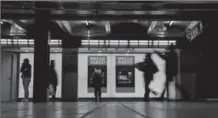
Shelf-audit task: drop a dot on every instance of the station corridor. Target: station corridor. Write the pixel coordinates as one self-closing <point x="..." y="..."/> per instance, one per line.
<point x="57" y="57"/>
<point x="110" y="110"/>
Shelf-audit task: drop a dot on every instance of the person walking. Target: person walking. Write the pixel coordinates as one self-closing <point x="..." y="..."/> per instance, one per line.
<point x="52" y="80"/>
<point x="149" y="68"/>
<point x="171" y="69"/>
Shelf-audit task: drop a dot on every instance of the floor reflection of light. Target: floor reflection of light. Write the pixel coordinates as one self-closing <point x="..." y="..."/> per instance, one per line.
<point x="24" y="109"/>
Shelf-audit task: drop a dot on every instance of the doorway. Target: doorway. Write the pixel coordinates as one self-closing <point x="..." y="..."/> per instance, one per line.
<point x="8" y="77"/>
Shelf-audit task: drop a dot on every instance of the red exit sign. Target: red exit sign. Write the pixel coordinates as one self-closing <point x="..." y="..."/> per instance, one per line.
<point x="194" y="32"/>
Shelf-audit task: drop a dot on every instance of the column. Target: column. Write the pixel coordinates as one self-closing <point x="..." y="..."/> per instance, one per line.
<point x="69" y="67"/>
<point x="207" y="83"/>
<point x="69" y="75"/>
<point x="0" y="67"/>
<point x="41" y="55"/>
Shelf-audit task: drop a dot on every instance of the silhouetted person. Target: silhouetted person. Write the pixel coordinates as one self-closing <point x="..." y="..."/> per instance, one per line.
<point x="149" y="68"/>
<point x="171" y="69"/>
<point x="97" y="82"/>
<point x="26" y="77"/>
<point x="52" y="78"/>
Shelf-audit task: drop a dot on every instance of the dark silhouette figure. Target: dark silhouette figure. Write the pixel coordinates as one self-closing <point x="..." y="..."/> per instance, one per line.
<point x="149" y="68"/>
<point x="26" y="77"/>
<point x="52" y="78"/>
<point x="171" y="69"/>
<point x="97" y="76"/>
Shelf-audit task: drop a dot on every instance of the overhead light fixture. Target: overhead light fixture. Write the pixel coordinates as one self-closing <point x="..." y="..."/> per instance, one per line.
<point x="163" y="27"/>
<point x="110" y="12"/>
<point x="87" y="23"/>
<point x="152" y="26"/>
<point x="138" y="12"/>
<point x="171" y="22"/>
<point x="108" y="27"/>
<point x="135" y="20"/>
<point x="1" y="22"/>
<point x="88" y="33"/>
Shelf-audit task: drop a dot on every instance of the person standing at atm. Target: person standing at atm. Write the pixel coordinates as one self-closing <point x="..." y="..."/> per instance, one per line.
<point x="97" y="76"/>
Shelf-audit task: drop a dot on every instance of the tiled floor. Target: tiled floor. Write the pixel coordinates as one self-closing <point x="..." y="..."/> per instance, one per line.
<point x="110" y="110"/>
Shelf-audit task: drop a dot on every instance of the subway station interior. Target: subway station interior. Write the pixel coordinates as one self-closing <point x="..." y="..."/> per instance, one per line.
<point x="79" y="38"/>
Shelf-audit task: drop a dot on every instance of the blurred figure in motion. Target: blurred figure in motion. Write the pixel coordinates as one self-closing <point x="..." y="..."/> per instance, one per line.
<point x="97" y="76"/>
<point x="52" y="80"/>
<point x="149" y="68"/>
<point x="26" y="77"/>
<point x="171" y="69"/>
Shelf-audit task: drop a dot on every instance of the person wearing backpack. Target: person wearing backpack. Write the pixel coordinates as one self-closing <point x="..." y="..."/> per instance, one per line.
<point x="26" y="77"/>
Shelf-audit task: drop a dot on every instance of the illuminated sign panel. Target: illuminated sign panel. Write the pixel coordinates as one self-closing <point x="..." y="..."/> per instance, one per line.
<point x="195" y="31"/>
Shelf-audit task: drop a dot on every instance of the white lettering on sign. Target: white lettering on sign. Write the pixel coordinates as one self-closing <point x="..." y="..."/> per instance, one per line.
<point x="125" y="60"/>
<point x="97" y="60"/>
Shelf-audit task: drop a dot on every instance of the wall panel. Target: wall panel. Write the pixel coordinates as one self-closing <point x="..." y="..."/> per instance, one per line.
<point x="157" y="84"/>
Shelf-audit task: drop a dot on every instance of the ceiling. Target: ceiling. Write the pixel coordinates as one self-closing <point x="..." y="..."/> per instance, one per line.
<point x="102" y="29"/>
<point x="106" y="20"/>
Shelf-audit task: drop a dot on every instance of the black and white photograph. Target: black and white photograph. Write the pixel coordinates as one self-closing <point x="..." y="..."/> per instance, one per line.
<point x="109" y="59"/>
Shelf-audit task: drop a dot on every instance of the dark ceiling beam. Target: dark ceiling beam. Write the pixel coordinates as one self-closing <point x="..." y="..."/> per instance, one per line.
<point x="135" y="37"/>
<point x="114" y="37"/>
<point x="180" y="15"/>
<point x="56" y="30"/>
<point x="201" y="15"/>
<point x="139" y="5"/>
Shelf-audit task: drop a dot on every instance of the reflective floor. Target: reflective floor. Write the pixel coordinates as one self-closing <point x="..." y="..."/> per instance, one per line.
<point x="110" y="110"/>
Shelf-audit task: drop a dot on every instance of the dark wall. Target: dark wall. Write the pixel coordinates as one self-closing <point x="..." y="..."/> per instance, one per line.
<point x="207" y="67"/>
<point x="5" y="29"/>
<point x="188" y="61"/>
